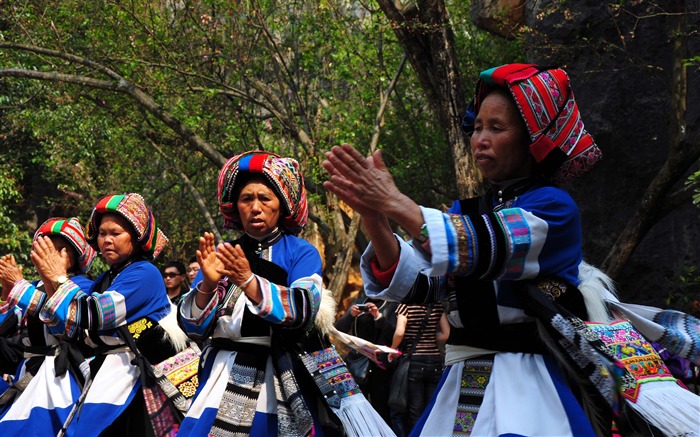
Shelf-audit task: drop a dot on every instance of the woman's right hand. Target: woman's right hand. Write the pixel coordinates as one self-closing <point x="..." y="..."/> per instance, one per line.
<point x="360" y="181"/>
<point x="49" y="262"/>
<point x="209" y="263"/>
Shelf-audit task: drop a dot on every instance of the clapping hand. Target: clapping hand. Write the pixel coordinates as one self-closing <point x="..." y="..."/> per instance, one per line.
<point x="49" y="262"/>
<point x="364" y="184"/>
<point x="10" y="273"/>
<point x="234" y="263"/>
<point x="209" y="263"/>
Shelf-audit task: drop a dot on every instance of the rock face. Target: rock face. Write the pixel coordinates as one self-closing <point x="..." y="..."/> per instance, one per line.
<point x="620" y="60"/>
<point x="502" y="17"/>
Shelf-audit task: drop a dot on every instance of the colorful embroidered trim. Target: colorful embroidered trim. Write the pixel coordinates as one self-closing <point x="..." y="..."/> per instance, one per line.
<point x="71" y="230"/>
<point x="284" y="176"/>
<point x="635" y="352"/>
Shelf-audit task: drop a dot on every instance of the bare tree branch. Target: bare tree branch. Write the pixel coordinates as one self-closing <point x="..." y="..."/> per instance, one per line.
<point x="344" y="260"/>
<point x="118" y="84"/>
<point x="193" y="191"/>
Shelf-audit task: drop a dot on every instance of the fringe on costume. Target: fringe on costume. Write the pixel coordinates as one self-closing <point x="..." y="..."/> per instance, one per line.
<point x="358" y="416"/>
<point x="360" y="419"/>
<point x="325" y="318"/>
<point x="674" y="410"/>
<point x="596" y="287"/>
<point x="668" y="406"/>
<point x="172" y="330"/>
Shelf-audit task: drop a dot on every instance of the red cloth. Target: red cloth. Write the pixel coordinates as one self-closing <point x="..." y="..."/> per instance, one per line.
<point x="560" y="144"/>
<point x="383" y="276"/>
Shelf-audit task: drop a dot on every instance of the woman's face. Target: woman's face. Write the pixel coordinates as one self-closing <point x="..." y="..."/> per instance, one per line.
<point x="500" y="140"/>
<point x="259" y="208"/>
<point x="115" y="239"/>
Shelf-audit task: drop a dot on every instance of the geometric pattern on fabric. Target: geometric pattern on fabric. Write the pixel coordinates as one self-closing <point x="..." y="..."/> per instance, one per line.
<point x="475" y="377"/>
<point x="237" y="406"/>
<point x="494" y="244"/>
<point x="560" y="143"/>
<point x="134" y="209"/>
<point x="635" y="352"/>
<point x="286" y="181"/>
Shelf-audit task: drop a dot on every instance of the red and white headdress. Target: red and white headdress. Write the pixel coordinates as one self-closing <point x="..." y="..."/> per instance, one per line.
<point x="562" y="148"/>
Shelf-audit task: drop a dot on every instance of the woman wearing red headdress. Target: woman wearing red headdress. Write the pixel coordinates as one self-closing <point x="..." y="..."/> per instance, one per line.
<point x="498" y="258"/>
<point x="259" y="303"/>
<point x="48" y="382"/>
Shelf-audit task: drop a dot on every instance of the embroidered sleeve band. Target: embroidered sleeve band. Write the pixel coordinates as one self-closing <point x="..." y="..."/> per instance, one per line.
<point x="292" y="306"/>
<point x="27" y="297"/>
<point x="502" y="244"/>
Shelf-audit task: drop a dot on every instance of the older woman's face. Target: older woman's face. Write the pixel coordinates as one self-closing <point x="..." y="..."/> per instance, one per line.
<point x="115" y="239"/>
<point x="259" y="208"/>
<point x="499" y="142"/>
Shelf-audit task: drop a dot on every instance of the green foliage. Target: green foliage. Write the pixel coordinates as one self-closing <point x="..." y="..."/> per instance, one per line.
<point x="12" y="238"/>
<point x="693" y="183"/>
<point x="240" y="75"/>
<point x="693" y="61"/>
<point x="688" y="290"/>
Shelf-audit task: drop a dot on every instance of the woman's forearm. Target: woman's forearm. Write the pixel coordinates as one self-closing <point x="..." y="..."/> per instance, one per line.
<point x="406" y="213"/>
<point x="386" y="247"/>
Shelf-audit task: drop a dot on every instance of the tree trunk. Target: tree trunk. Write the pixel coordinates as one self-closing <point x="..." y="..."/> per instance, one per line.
<point x="428" y="41"/>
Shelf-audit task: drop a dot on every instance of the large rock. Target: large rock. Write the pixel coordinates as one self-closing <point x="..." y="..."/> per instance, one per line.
<point x="502" y="17"/>
<point x="620" y="63"/>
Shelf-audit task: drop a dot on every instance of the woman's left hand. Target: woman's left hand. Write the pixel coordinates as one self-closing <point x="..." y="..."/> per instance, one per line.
<point x="235" y="264"/>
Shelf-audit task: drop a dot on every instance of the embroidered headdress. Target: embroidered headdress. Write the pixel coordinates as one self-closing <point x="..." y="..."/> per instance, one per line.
<point x="562" y="148"/>
<point x="134" y="209"/>
<point x="284" y="177"/>
<point x="71" y="231"/>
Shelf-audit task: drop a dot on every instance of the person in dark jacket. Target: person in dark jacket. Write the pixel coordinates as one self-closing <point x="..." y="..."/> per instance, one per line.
<point x="375" y="321"/>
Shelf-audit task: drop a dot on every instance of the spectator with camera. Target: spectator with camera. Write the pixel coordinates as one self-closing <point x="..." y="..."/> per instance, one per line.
<point x="375" y="321"/>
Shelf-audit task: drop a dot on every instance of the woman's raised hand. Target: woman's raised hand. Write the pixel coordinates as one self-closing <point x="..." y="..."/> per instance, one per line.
<point x="209" y="263"/>
<point x="49" y="262"/>
<point x="363" y="183"/>
<point x="234" y="263"/>
<point x="10" y="273"/>
<point x="366" y="185"/>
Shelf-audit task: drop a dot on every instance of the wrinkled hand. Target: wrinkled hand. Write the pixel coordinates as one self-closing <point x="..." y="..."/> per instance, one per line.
<point x="234" y="263"/>
<point x="49" y="263"/>
<point x="10" y="273"/>
<point x="364" y="184"/>
<point x="209" y="263"/>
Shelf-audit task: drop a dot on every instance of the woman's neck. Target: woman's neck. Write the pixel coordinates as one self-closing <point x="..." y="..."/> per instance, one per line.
<point x="264" y="237"/>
